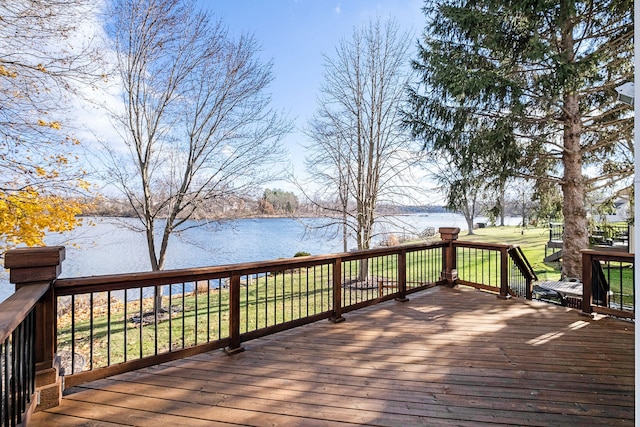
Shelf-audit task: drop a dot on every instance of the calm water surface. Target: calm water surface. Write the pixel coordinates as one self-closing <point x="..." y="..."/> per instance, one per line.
<point x="107" y="247"/>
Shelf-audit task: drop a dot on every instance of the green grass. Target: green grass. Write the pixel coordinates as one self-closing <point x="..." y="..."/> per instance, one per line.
<point x="531" y="240"/>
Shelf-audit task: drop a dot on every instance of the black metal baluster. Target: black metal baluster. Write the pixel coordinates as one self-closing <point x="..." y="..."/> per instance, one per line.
<point x="91" y="333"/>
<point x="184" y="309"/>
<point x="73" y="334"/>
<point x="108" y="328"/>
<point x="125" y="339"/>
<point x="141" y="320"/>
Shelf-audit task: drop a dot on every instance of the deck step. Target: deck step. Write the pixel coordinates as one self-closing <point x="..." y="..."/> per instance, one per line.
<point x="553" y="257"/>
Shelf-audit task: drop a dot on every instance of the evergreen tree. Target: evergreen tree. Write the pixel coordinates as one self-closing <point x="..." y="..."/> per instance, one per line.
<point x="280" y="201"/>
<point x="531" y="86"/>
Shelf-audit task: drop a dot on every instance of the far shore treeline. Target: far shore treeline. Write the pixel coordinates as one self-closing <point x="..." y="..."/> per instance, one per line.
<point x="273" y="203"/>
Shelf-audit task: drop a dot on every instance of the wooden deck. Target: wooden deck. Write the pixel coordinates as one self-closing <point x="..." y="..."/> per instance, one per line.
<point x="446" y="357"/>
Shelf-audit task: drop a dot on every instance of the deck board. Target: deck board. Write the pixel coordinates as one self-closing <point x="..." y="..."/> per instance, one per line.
<point x="448" y="356"/>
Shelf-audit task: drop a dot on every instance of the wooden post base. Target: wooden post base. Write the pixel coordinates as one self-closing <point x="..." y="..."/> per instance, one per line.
<point x="231" y="351"/>
<point x="48" y="386"/>
<point x="50" y="395"/>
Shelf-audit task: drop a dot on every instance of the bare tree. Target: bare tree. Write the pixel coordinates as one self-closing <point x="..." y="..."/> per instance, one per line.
<point x="46" y="56"/>
<point x="329" y="161"/>
<point x="360" y="155"/>
<point x="196" y="119"/>
<point x="461" y="181"/>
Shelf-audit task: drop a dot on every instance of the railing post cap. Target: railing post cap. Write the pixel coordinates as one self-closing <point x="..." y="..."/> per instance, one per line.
<point x="34" y="264"/>
<point x="34" y="257"/>
<point x="449" y="233"/>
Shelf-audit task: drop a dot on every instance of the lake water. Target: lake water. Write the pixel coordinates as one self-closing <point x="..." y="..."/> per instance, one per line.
<point x="106" y="246"/>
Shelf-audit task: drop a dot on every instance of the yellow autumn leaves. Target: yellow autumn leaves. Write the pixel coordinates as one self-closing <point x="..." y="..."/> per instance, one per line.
<point x="53" y="125"/>
<point x="42" y="185"/>
<point x="4" y="72"/>
<point x="29" y="212"/>
<point x="26" y="215"/>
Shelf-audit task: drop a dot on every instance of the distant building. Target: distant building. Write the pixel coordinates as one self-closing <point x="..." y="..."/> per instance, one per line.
<point x="623" y="212"/>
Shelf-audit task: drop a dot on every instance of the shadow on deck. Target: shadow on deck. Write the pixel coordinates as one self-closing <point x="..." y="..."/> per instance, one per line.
<point x="446" y="357"/>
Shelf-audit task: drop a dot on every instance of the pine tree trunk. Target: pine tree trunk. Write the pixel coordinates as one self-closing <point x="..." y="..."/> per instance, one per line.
<point x="575" y="215"/>
<point x="573" y="186"/>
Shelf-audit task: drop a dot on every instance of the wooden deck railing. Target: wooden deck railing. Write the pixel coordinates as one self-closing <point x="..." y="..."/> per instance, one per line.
<point x="110" y="321"/>
<point x="17" y="355"/>
<point x="521" y="273"/>
<point x="497" y="268"/>
<point x="608" y="283"/>
<point x="27" y="343"/>
<point x="103" y="325"/>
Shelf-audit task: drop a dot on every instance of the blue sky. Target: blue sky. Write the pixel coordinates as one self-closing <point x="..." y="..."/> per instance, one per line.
<point x="296" y="33"/>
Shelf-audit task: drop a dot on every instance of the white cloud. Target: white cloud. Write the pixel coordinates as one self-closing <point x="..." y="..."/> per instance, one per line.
<point x="338" y="9"/>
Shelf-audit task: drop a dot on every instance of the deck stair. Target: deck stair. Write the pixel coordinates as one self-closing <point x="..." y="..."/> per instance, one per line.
<point x="553" y="257"/>
<point x="605" y="237"/>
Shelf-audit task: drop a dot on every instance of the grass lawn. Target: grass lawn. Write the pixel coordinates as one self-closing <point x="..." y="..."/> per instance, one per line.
<point x="531" y="240"/>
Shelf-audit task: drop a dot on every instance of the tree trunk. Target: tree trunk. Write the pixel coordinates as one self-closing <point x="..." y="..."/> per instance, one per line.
<point x="151" y="246"/>
<point x="501" y="198"/>
<point x="573" y="186"/>
<point x="469" y="224"/>
<point x="363" y="270"/>
<point x="524" y="210"/>
<point x="575" y="215"/>
<point x="345" y="234"/>
<point x="469" y="210"/>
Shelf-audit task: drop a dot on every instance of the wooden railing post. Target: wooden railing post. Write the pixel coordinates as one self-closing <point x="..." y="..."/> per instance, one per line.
<point x="504" y="274"/>
<point x="337" y="292"/>
<point x="234" y="316"/>
<point x="29" y="266"/>
<point x="402" y="276"/>
<point x="587" y="281"/>
<point x="449" y="270"/>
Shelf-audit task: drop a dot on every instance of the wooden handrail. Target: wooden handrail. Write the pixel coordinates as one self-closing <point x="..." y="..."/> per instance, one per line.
<point x="481" y="245"/>
<point x="15" y="309"/>
<point x="71" y="286"/>
<point x="19" y="343"/>
<point x="505" y="251"/>
<point x="523" y="263"/>
<point x="610" y="255"/>
<point x="32" y="270"/>
<point x="231" y="277"/>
